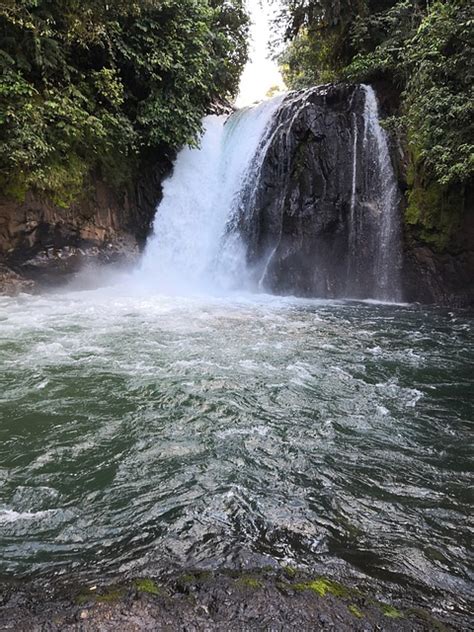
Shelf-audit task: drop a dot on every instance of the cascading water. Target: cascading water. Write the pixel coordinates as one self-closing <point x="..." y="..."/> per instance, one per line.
<point x="377" y="152"/>
<point x="270" y="201"/>
<point x="352" y="254"/>
<point x="374" y="206"/>
<point x="185" y="251"/>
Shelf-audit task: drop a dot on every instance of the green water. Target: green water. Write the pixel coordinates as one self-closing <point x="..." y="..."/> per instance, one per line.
<point x="143" y="434"/>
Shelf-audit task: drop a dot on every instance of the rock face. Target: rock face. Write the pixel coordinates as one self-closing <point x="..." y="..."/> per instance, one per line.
<point x="12" y="283"/>
<point x="312" y="218"/>
<point x="318" y="205"/>
<point x="445" y="278"/>
<point x="42" y="244"/>
<point x="270" y="599"/>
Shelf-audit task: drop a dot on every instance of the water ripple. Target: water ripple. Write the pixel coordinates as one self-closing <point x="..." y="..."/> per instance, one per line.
<point x="155" y="433"/>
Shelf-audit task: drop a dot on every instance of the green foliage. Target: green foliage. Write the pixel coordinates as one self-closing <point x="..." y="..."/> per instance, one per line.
<point x="426" y="49"/>
<point x="430" y="55"/>
<point x="439" y="93"/>
<point x="85" y="84"/>
<point x="307" y="61"/>
<point x="316" y="34"/>
<point x="147" y="586"/>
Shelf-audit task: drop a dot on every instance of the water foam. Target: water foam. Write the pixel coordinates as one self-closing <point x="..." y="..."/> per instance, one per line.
<point x="185" y="252"/>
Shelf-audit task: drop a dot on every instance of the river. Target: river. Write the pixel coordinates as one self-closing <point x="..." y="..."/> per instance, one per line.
<point x="142" y="432"/>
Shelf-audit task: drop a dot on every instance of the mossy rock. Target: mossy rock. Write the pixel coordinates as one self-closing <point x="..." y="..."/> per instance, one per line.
<point x="147" y="586"/>
<point x="323" y="587"/>
<point x="435" y="211"/>
<point x="13" y="188"/>
<point x="391" y="612"/>
<point x="111" y="595"/>
<point x="250" y="582"/>
<point x="290" y="571"/>
<point x="353" y="609"/>
<point x="83" y="598"/>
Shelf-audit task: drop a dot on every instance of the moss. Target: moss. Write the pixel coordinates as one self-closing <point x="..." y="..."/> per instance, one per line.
<point x="202" y="575"/>
<point x="435" y="210"/>
<point x="290" y="571"/>
<point x="187" y="579"/>
<point x="147" y="586"/>
<point x="65" y="182"/>
<point x="250" y="582"/>
<point x="111" y="596"/>
<point x="84" y="598"/>
<point x="14" y="189"/>
<point x="391" y="612"/>
<point x="324" y="587"/>
<point x="299" y="161"/>
<point x="353" y="609"/>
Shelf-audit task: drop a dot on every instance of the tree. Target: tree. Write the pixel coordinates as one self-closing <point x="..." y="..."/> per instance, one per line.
<point x="423" y="49"/>
<point x="92" y="85"/>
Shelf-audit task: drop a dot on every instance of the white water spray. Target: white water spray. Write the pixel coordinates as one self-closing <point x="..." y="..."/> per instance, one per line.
<point x="187" y="251"/>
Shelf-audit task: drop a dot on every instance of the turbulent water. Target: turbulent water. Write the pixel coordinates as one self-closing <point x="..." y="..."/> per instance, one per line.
<point x="145" y="433"/>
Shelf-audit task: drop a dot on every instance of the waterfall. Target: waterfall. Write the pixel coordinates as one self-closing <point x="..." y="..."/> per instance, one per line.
<point x="294" y="196"/>
<point x="186" y="250"/>
<point x="386" y="198"/>
<point x="352" y="267"/>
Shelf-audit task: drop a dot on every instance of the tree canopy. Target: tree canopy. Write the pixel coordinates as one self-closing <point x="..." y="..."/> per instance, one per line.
<point x="91" y="84"/>
<point x="424" y="49"/>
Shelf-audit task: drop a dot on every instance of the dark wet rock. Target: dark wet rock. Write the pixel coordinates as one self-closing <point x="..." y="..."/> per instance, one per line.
<point x="310" y="232"/>
<point x="304" y="236"/>
<point x="12" y="283"/>
<point x="299" y="229"/>
<point x="261" y="600"/>
<point x="442" y="278"/>
<point x="47" y="244"/>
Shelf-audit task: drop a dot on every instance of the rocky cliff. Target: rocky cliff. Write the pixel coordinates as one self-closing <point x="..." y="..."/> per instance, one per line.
<point x="444" y="276"/>
<point x="43" y="244"/>
<point x="322" y="199"/>
<point x="317" y="206"/>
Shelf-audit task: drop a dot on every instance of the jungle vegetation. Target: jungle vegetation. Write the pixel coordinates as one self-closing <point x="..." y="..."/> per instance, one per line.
<point x="93" y="85"/>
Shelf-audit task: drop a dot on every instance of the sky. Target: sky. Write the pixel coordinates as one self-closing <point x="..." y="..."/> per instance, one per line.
<point x="261" y="73"/>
